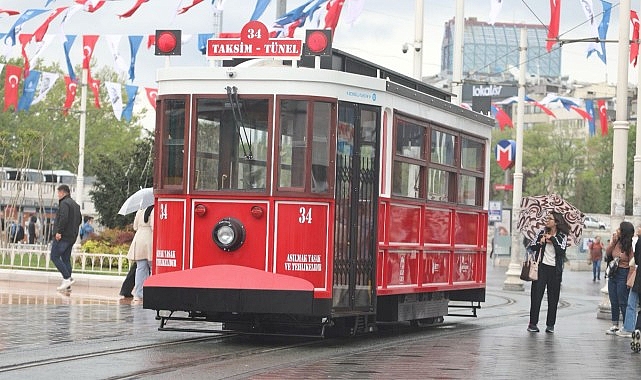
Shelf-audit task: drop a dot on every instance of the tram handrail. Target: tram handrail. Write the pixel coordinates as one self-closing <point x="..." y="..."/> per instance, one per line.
<point x="36" y="257"/>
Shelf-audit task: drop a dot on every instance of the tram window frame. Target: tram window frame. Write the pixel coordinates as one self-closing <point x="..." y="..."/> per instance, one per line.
<point x="307" y="185"/>
<point x="453" y="170"/>
<point x="268" y="148"/>
<point x="406" y="160"/>
<point x="161" y="173"/>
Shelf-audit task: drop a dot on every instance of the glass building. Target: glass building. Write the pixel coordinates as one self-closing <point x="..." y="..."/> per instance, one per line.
<point x="489" y="51"/>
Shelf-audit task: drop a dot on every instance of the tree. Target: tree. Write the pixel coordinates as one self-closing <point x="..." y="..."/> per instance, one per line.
<point x="122" y="175"/>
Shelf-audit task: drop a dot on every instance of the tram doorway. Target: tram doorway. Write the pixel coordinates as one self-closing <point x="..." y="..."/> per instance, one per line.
<point x="354" y="285"/>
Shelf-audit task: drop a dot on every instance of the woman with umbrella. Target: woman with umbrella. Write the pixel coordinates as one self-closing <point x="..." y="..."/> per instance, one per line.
<point x="549" y="245"/>
<point x="620" y="248"/>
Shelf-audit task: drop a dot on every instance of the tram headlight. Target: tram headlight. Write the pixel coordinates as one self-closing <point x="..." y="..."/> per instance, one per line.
<point x="229" y="234"/>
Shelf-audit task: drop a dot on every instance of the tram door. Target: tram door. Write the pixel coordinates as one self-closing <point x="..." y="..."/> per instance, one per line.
<point x="354" y="287"/>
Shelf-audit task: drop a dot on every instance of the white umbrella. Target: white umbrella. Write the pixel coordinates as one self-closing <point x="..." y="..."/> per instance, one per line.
<point x="142" y="198"/>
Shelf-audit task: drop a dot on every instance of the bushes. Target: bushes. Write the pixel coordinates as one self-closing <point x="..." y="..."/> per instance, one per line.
<point x="109" y="242"/>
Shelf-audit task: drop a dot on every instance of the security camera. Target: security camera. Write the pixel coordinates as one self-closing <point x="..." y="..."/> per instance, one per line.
<point x="406" y="47"/>
<point x="417" y="48"/>
<point x="231" y="74"/>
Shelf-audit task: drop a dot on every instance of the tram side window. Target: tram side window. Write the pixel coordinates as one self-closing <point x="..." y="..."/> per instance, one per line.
<point x="231" y="144"/>
<point x="293" y="143"/>
<point x="473" y="165"/>
<point x="173" y="132"/>
<point x="320" y="146"/>
<point x="409" y="161"/>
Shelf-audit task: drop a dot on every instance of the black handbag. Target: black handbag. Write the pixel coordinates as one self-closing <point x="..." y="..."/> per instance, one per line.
<point x="525" y="270"/>
<point x="612" y="268"/>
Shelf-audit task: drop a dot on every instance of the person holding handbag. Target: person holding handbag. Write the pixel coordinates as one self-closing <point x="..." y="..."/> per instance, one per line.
<point x="619" y="249"/>
<point x="551" y="243"/>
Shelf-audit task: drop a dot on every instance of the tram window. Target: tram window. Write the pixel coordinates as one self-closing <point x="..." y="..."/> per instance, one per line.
<point x="320" y="146"/>
<point x="173" y="132"/>
<point x="472" y="154"/>
<point x="231" y="145"/>
<point x="439" y="183"/>
<point x="443" y="145"/>
<point x="293" y="143"/>
<point x="407" y="180"/>
<point x="410" y="139"/>
<point x="467" y="193"/>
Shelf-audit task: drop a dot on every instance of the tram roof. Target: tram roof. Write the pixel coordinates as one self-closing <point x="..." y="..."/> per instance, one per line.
<point x="345" y="62"/>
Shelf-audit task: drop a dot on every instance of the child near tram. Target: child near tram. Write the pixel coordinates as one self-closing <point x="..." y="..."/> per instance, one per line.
<point x="550" y="246"/>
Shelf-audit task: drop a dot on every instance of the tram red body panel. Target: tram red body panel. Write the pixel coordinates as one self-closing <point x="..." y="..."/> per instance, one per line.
<point x="171" y="234"/>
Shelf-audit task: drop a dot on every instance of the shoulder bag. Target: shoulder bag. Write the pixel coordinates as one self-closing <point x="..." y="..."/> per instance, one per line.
<point x="530" y="269"/>
<point x="611" y="269"/>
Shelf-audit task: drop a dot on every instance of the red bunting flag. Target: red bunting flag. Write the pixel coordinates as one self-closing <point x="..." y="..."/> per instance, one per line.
<point x="42" y="29"/>
<point x="94" y="84"/>
<point x="9" y="12"/>
<point x="152" y="93"/>
<point x="555" y="17"/>
<point x="584" y="114"/>
<point x="185" y="9"/>
<point x="91" y="5"/>
<point x="133" y="9"/>
<point x="151" y="40"/>
<point x="88" y="44"/>
<point x="11" y="82"/>
<point x="71" y="94"/>
<point x="634" y="45"/>
<point x="334" y="8"/>
<point x="24" y="40"/>
<point x="603" y="116"/>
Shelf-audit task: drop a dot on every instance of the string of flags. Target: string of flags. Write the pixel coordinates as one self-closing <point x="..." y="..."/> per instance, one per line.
<point x="316" y="13"/>
<point x="570" y="104"/>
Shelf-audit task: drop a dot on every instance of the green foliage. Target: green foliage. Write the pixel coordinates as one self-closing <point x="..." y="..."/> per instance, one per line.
<point x="122" y="175"/>
<point x="45" y="138"/>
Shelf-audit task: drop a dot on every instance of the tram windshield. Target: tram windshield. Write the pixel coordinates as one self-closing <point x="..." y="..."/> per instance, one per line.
<point x="231" y="144"/>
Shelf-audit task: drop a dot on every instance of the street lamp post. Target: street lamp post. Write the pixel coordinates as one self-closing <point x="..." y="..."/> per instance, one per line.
<point x="513" y="282"/>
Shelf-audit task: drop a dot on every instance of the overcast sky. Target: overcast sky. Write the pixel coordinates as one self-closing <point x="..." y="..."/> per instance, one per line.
<point x="377" y="35"/>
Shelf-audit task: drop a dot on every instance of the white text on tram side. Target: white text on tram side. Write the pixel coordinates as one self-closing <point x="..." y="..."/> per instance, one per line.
<point x="303" y="262"/>
<point x="165" y="258"/>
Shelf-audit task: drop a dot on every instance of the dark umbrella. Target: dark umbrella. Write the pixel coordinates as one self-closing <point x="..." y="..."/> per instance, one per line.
<point x="534" y="210"/>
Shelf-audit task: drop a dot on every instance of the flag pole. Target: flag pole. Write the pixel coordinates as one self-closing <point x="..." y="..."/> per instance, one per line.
<point x="80" y="179"/>
<point x="457" y="54"/>
<point x="513" y="282"/>
<point x="418" y="40"/>
<point x="621" y="125"/>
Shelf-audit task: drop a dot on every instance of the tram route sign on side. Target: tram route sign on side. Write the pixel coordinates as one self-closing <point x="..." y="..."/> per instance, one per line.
<point x="254" y="42"/>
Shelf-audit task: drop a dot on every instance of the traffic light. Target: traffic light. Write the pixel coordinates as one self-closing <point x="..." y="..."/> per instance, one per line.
<point x="168" y="42"/>
<point x="318" y="42"/>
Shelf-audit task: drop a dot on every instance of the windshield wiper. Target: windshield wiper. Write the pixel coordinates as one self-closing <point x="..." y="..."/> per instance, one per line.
<point x="232" y="94"/>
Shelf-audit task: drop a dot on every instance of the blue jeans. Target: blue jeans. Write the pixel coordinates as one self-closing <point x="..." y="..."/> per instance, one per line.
<point x="618" y="292"/>
<point x="61" y="257"/>
<point x="631" y="311"/>
<point x="142" y="272"/>
<point x="596" y="270"/>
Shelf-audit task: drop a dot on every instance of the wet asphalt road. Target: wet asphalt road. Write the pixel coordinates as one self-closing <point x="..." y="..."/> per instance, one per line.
<point x="91" y="334"/>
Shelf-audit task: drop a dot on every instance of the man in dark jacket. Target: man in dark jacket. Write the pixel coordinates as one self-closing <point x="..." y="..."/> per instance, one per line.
<point x="66" y="229"/>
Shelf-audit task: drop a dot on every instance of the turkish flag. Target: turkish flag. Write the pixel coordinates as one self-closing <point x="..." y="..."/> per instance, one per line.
<point x="71" y="94"/>
<point x="152" y="94"/>
<point x="24" y="40"/>
<point x="634" y="46"/>
<point x="95" y="88"/>
<point x="88" y="44"/>
<point x="553" y="29"/>
<point x="603" y="116"/>
<point x="11" y="82"/>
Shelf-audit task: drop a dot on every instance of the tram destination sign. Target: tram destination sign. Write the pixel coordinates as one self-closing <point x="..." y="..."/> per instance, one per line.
<point x="254" y="42"/>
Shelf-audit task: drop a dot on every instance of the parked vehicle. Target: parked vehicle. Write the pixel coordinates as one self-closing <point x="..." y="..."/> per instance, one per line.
<point x="592" y="222"/>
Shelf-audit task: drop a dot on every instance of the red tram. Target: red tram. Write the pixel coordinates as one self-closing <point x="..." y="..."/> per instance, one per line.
<point x="329" y="193"/>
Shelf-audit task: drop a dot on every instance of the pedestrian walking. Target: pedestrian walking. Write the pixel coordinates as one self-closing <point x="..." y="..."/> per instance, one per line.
<point x="549" y="247"/>
<point x="130" y="281"/>
<point x="141" y="248"/>
<point x="596" y="255"/>
<point x="66" y="226"/>
<point x="619" y="249"/>
<point x="32" y="229"/>
<point x="636" y="288"/>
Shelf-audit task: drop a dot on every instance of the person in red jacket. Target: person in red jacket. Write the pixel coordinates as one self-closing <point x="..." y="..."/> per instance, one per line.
<point x="596" y="255"/>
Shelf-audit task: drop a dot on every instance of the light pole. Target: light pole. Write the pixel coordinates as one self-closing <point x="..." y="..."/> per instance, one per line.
<point x="80" y="179"/>
<point x="513" y="282"/>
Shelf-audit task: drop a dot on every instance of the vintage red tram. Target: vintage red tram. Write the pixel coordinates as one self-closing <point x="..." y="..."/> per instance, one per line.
<point x="324" y="193"/>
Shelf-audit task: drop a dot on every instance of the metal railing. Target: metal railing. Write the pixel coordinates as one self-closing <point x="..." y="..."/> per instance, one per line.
<point x="36" y="257"/>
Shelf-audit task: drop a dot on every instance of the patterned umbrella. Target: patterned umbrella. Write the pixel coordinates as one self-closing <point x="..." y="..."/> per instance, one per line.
<point x="535" y="209"/>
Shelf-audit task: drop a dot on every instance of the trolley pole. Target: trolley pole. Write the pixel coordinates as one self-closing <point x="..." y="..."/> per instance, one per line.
<point x="80" y="179"/>
<point x="513" y="282"/>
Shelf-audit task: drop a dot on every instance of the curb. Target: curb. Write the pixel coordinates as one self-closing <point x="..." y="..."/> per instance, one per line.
<point x="54" y="278"/>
